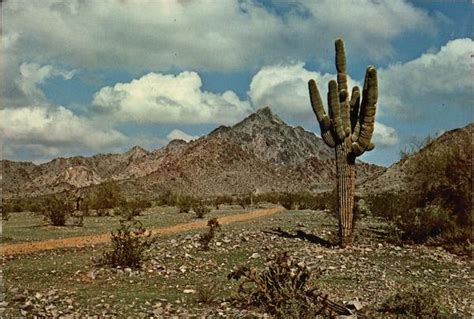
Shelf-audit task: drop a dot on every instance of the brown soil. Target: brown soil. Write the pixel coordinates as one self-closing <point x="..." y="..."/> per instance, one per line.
<point x="82" y="241"/>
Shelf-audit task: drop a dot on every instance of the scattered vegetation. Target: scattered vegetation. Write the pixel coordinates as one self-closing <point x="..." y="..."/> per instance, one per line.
<point x="56" y="210"/>
<point x="185" y="203"/>
<point x="207" y="293"/>
<point x="129" y="243"/>
<point x="206" y="238"/>
<point x="281" y="289"/>
<point x="103" y="197"/>
<point x="435" y="207"/>
<point x="132" y="208"/>
<point x="416" y="302"/>
<point x="200" y="209"/>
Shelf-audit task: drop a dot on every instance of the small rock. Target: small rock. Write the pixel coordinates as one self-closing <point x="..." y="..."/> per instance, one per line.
<point x="354" y="304"/>
<point x="255" y="256"/>
<point x="3" y="304"/>
<point x="19" y="298"/>
<point x="189" y="291"/>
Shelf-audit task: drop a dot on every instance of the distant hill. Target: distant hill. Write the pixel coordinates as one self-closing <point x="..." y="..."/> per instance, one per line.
<point x="260" y="153"/>
<point x="397" y="176"/>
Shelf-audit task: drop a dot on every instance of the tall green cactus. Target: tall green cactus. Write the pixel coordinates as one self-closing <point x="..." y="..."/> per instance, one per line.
<point x="348" y="129"/>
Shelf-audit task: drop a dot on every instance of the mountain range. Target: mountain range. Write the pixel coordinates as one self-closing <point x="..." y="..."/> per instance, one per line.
<point x="259" y="154"/>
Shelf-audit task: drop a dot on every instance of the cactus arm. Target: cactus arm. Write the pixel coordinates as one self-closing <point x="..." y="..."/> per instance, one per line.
<point x="341" y="64"/>
<point x="335" y="111"/>
<point x="367" y="112"/>
<point x="318" y="109"/>
<point x="354" y="107"/>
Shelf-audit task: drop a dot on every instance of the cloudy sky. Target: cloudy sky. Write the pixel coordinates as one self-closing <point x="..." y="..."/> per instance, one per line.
<point x="84" y="76"/>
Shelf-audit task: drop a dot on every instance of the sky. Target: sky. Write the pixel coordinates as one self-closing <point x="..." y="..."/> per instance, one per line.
<point x="82" y="77"/>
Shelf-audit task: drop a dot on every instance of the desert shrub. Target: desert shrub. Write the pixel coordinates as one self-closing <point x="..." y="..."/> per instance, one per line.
<point x="185" y="203"/>
<point x="57" y="209"/>
<point x="167" y="198"/>
<point x="206" y="238"/>
<point x="325" y="201"/>
<point x="416" y="302"/>
<point x="288" y="200"/>
<point x="132" y="208"/>
<point x="104" y="196"/>
<point x="222" y="200"/>
<point x="129" y="244"/>
<point x="244" y="201"/>
<point x="419" y="224"/>
<point x="200" y="209"/>
<point x="207" y="293"/>
<point x="389" y="205"/>
<point x="281" y="289"/>
<point x="5" y="213"/>
<point x="267" y="198"/>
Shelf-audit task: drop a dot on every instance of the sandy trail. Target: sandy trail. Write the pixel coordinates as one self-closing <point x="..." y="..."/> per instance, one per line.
<point x="83" y="241"/>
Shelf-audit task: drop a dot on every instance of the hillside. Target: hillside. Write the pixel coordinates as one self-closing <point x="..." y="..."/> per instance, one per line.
<point x="397" y="176"/>
<point x="260" y="153"/>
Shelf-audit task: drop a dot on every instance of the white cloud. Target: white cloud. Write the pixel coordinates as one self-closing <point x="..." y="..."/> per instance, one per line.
<point x="200" y="35"/>
<point x="180" y="135"/>
<point x="55" y="127"/>
<point x="430" y="83"/>
<point x="167" y="98"/>
<point x="384" y="136"/>
<point x="366" y="25"/>
<point x="285" y="89"/>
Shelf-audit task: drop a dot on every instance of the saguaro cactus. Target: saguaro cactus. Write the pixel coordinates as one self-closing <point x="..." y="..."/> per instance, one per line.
<point x="348" y="129"/>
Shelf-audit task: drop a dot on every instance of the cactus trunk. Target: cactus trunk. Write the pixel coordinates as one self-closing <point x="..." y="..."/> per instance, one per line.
<point x="348" y="128"/>
<point x="345" y="169"/>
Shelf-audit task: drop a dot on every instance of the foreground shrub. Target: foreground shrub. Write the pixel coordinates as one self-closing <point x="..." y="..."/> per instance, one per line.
<point x="200" y="209"/>
<point x="207" y="293"/>
<point x="56" y="210"/>
<point x="104" y="196"/>
<point x="206" y="238"/>
<point x="419" y="224"/>
<point x="416" y="302"/>
<point x="5" y="212"/>
<point x="129" y="243"/>
<point x="185" y="203"/>
<point x="244" y="201"/>
<point x="281" y="289"/>
<point x="132" y="208"/>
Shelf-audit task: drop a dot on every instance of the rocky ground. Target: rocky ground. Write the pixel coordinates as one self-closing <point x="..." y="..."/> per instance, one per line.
<point x="181" y="280"/>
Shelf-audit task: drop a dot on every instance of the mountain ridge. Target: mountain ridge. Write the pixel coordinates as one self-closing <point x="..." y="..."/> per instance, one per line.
<point x="261" y="152"/>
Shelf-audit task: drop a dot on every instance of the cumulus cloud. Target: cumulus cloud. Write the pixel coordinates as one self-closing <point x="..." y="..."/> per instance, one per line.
<point x="200" y="35"/>
<point x="34" y="128"/>
<point x="285" y="89"/>
<point x="55" y="128"/>
<point x="384" y="136"/>
<point x="180" y="135"/>
<point x="434" y="82"/>
<point x="167" y="98"/>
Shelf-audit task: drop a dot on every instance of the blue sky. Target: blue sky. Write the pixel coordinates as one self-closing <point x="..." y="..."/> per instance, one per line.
<point x="83" y="77"/>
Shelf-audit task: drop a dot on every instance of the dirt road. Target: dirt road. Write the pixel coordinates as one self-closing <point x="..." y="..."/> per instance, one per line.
<point x="83" y="241"/>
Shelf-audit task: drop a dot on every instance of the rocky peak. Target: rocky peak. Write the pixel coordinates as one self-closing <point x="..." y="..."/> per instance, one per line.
<point x="136" y="152"/>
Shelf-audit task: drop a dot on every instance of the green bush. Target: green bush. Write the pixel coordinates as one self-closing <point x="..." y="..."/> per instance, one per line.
<point x="185" y="203"/>
<point x="56" y="209"/>
<point x="129" y="243"/>
<point x="244" y="201"/>
<point x="222" y="200"/>
<point x="104" y="196"/>
<point x="206" y="238"/>
<point x="416" y="302"/>
<point x="200" y="209"/>
<point x="282" y="289"/>
<point x="419" y="224"/>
